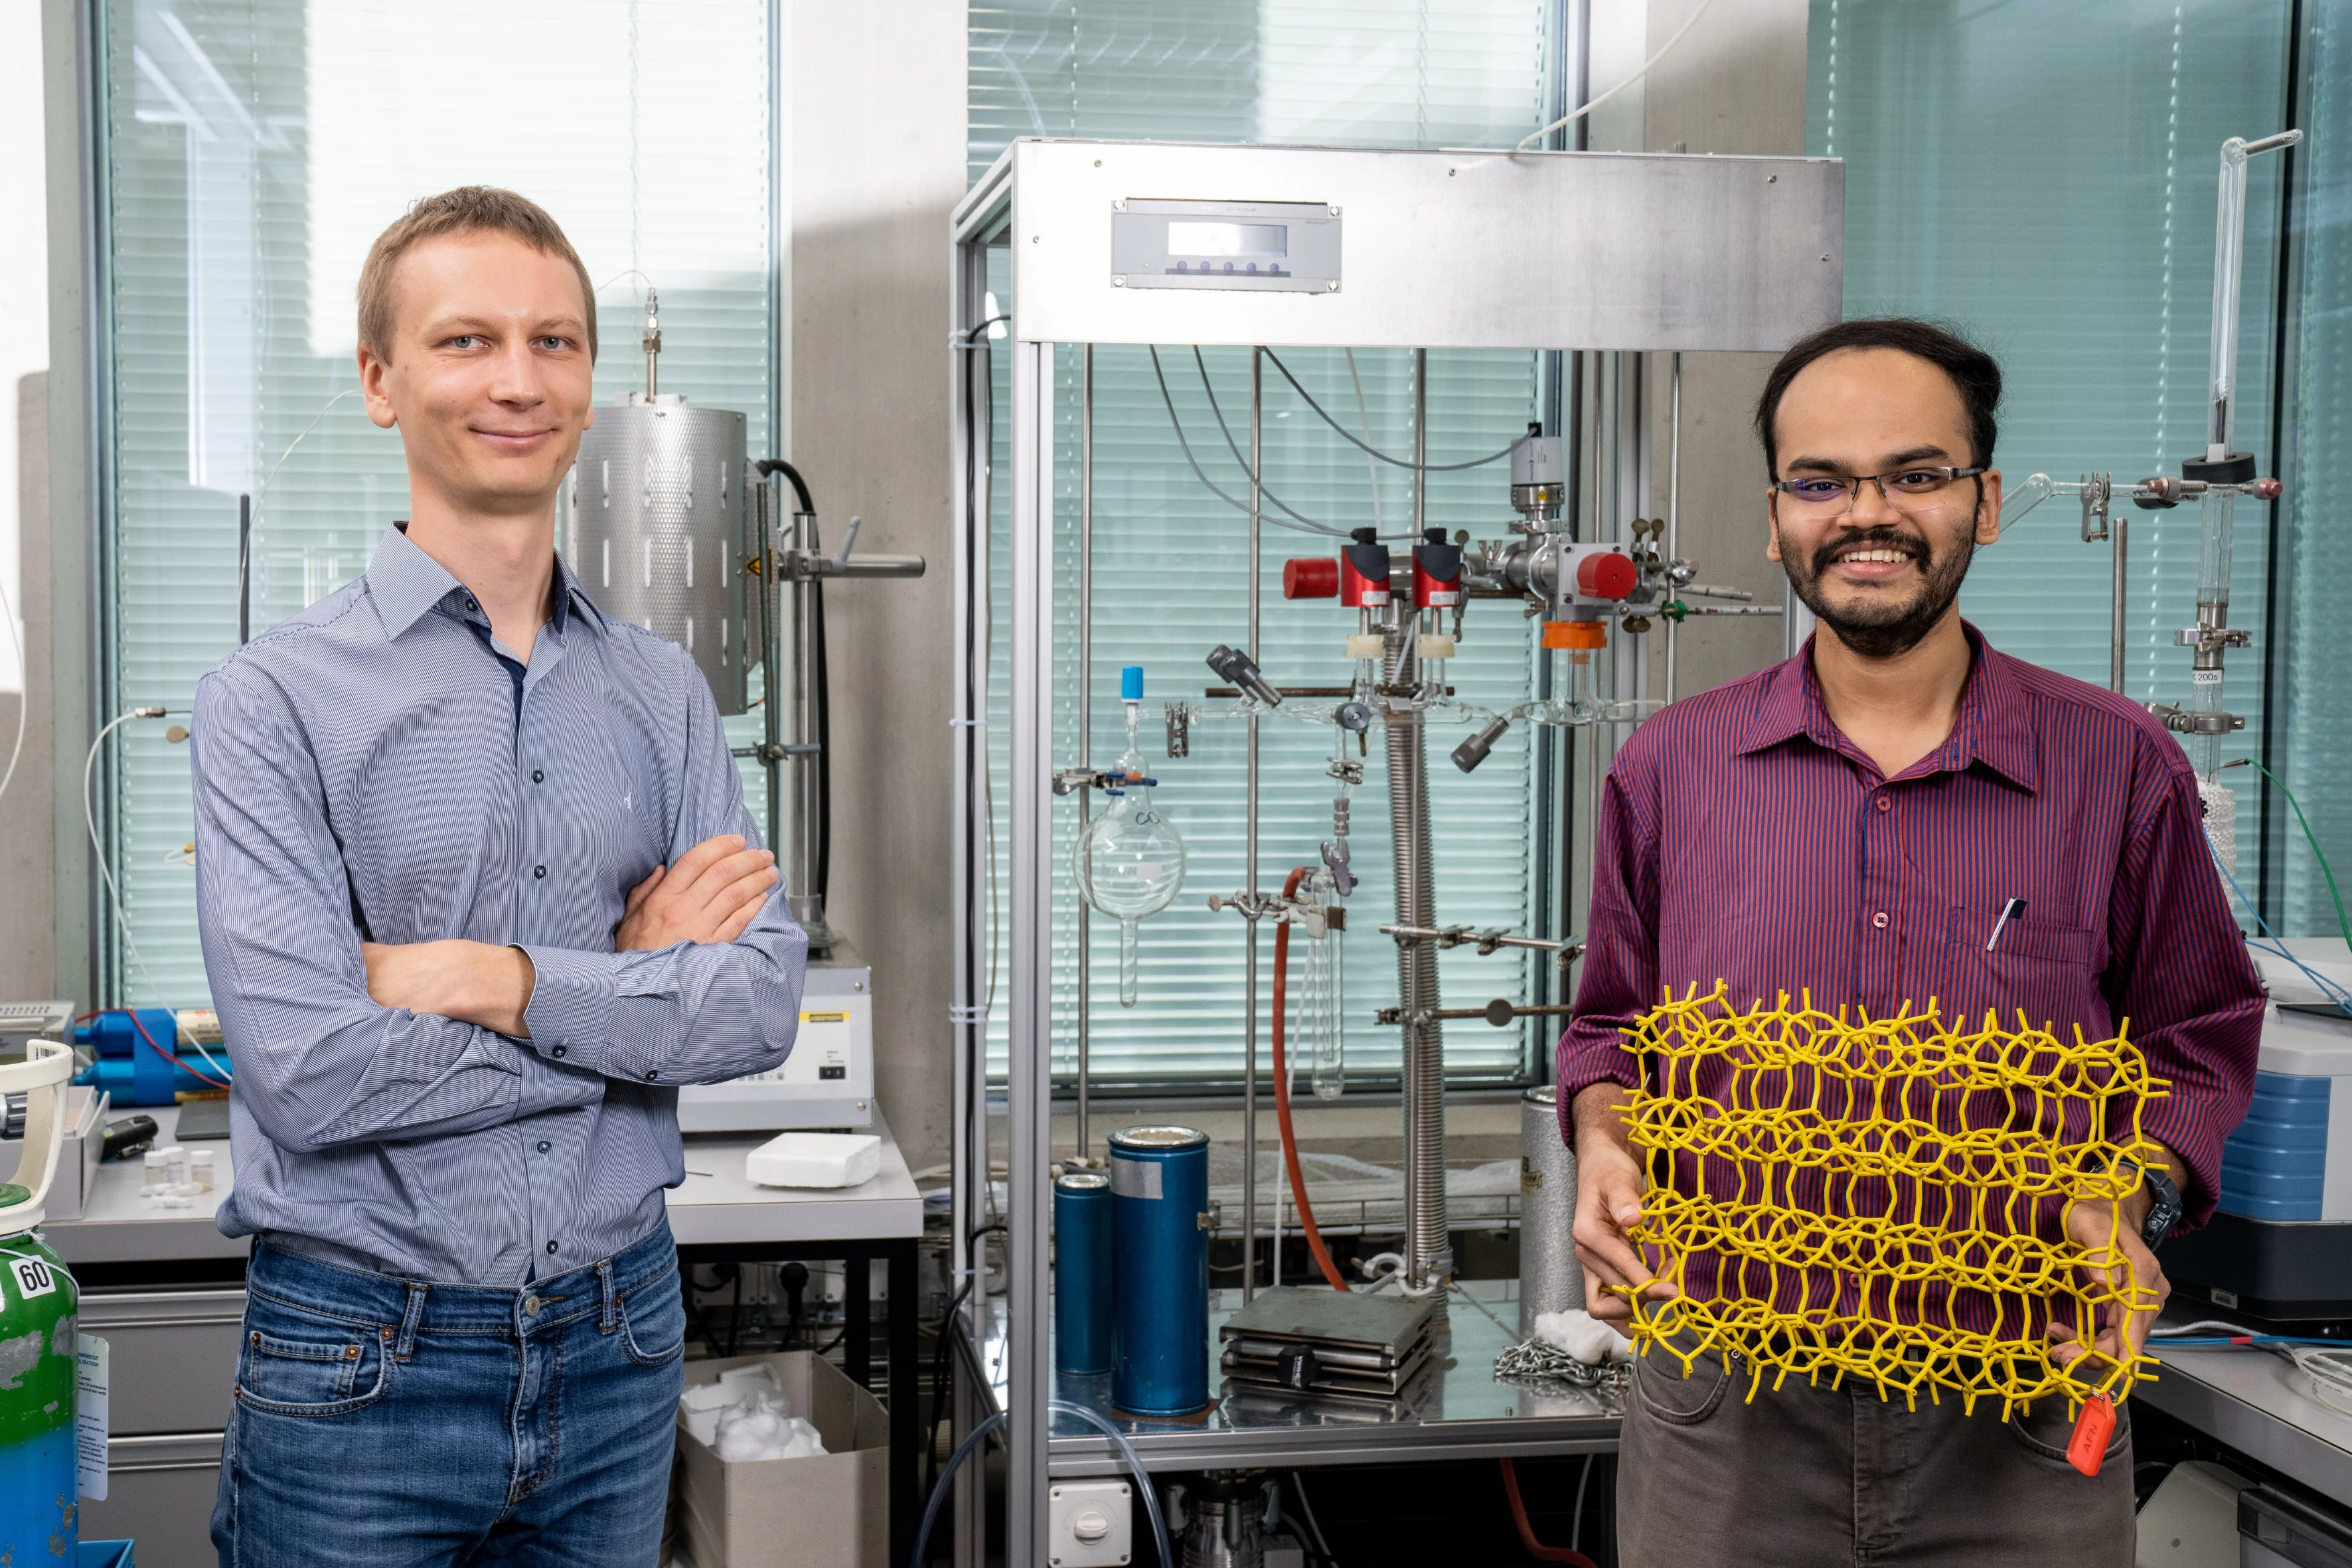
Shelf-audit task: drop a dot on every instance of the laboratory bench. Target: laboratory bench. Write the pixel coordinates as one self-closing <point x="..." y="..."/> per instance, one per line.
<point x="165" y="1288"/>
<point x="1455" y="1409"/>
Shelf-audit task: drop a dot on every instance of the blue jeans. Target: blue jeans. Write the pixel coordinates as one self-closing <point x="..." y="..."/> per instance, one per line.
<point x="385" y="1423"/>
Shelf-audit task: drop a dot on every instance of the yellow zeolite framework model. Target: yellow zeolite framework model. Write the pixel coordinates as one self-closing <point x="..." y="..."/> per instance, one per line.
<point x="1883" y="1198"/>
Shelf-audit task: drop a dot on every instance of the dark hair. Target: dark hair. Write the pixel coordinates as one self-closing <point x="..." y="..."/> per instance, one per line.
<point x="1975" y="375"/>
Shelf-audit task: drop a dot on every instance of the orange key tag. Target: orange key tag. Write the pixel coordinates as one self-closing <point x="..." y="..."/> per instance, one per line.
<point x="2092" y="1428"/>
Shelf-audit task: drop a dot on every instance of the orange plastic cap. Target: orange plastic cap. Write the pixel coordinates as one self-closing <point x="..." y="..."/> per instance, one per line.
<point x="1575" y="634"/>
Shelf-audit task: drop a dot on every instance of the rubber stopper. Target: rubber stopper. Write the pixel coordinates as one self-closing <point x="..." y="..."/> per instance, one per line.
<point x="1605" y="575"/>
<point x="2092" y="1428"/>
<point x="1318" y="578"/>
<point x="1575" y="634"/>
<point x="1130" y="683"/>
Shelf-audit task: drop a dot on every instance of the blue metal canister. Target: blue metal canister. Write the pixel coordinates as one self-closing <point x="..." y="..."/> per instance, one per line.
<point x="1160" y="1269"/>
<point x="1082" y="1330"/>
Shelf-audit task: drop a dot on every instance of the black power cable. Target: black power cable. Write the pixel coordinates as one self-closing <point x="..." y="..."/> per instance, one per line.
<point x="821" y="682"/>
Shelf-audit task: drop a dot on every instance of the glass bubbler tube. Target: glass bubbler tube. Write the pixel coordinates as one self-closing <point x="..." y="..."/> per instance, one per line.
<point x="1130" y="862"/>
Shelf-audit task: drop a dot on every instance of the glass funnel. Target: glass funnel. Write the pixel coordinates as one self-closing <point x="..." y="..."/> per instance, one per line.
<point x="1130" y="862"/>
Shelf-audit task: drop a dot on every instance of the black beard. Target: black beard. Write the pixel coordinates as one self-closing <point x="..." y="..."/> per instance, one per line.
<point x="1883" y="633"/>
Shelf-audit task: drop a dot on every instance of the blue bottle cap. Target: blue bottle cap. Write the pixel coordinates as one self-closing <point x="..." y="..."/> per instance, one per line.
<point x="1130" y="683"/>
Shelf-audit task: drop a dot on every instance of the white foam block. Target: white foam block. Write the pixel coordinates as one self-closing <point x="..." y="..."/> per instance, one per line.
<point x="814" y="1159"/>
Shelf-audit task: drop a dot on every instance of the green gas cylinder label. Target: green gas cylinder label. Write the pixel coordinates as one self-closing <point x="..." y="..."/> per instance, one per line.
<point x="38" y="1354"/>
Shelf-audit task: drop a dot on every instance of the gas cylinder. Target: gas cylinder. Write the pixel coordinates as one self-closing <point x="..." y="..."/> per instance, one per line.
<point x="39" y="1489"/>
<point x="39" y="1492"/>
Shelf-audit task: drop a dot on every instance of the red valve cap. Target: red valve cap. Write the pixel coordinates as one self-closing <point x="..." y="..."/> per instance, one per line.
<point x="1314" y="579"/>
<point x="1604" y="576"/>
<point x="2266" y="489"/>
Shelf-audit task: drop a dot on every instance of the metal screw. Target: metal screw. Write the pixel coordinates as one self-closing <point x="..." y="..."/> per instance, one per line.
<point x="1118" y="282"/>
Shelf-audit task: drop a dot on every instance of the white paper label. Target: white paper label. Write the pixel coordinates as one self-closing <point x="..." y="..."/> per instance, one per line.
<point x="1134" y="1178"/>
<point x="91" y="1383"/>
<point x="33" y="1277"/>
<point x="2204" y="677"/>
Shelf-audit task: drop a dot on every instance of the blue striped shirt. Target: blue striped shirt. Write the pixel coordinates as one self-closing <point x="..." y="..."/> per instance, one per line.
<point x="368" y="771"/>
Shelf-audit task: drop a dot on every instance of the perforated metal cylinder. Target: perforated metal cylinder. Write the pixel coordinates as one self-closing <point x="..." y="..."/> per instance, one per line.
<point x="653" y="529"/>
<point x="1551" y="1279"/>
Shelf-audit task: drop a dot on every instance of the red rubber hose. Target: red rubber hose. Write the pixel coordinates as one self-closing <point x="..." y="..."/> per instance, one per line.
<point x="1535" y="1549"/>
<point x="1282" y="1093"/>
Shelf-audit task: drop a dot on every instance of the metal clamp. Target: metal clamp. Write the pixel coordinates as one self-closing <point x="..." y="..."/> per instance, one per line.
<point x="1499" y="1012"/>
<point x="2186" y="721"/>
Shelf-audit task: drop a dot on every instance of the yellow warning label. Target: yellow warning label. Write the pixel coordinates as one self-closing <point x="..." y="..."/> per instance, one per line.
<point x="824" y="1018"/>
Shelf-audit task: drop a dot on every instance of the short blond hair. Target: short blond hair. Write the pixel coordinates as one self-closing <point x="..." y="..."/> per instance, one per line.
<point x="469" y="209"/>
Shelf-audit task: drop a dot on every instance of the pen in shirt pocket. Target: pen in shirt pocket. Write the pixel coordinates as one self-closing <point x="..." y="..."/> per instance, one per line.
<point x="2015" y="907"/>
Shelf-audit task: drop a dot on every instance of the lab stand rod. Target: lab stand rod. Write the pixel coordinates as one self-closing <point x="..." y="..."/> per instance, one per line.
<point x="1029" y="1085"/>
<point x="1086" y="697"/>
<point x="1420" y="444"/>
<point x="1249" y="853"/>
<point x="968" y="763"/>
<point x="770" y="646"/>
<point x="1674" y="496"/>
<point x="2119" y="531"/>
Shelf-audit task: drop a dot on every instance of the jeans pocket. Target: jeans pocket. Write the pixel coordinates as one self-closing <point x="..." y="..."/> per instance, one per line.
<point x="1679" y="1398"/>
<point x="2045" y="1428"/>
<point x="296" y="1361"/>
<point x="653" y="1323"/>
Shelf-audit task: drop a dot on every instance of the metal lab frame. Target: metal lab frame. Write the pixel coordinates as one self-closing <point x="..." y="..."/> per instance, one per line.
<point x="1442" y="249"/>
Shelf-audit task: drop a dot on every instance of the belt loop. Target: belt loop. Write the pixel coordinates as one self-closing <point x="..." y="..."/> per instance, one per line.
<point x="609" y="1318"/>
<point x="408" y="1321"/>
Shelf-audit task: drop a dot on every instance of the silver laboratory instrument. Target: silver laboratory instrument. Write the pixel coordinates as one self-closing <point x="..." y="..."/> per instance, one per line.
<point x="1269" y="249"/>
<point x="668" y="526"/>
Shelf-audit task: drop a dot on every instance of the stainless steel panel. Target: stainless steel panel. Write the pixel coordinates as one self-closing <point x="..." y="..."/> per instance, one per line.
<point x="172" y="1355"/>
<point x="653" y="529"/>
<point x="1444" y="249"/>
<point x="1550" y="1278"/>
<point x="160" y="1494"/>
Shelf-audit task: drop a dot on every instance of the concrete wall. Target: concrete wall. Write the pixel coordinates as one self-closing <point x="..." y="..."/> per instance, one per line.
<point x="1736" y="83"/>
<point x="28" y="937"/>
<point x="877" y="164"/>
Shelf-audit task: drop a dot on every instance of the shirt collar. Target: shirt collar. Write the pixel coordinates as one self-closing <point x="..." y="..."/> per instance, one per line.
<point x="405" y="583"/>
<point x="1992" y="726"/>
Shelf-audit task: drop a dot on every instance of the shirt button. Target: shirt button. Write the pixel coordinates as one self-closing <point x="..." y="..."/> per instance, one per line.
<point x="653" y="1075"/>
<point x="559" y="1050"/>
<point x="539" y="871"/>
<point x="1879" y="920"/>
<point x="469" y="603"/>
<point x="544" y="1145"/>
<point x="551" y="1250"/>
<point x="1884" y="803"/>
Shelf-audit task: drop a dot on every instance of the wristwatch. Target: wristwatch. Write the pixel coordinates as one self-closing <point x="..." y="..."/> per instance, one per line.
<point x="2165" y="1212"/>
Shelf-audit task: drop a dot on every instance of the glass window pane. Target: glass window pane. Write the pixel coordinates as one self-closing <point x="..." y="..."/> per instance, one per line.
<point x="254" y="151"/>
<point x="2066" y="221"/>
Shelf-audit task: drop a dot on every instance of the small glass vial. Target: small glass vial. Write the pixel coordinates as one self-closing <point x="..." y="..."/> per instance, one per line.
<point x="200" y="1169"/>
<point x="175" y="1168"/>
<point x="157" y="1171"/>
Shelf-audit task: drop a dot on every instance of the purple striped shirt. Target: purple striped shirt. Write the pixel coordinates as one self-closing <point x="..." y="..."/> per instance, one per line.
<point x="1744" y="839"/>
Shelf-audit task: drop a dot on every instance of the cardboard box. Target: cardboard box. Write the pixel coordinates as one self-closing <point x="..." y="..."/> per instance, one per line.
<point x="828" y="1511"/>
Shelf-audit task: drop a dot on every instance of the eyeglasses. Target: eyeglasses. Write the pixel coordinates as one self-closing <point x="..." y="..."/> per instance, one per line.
<point x="1906" y="490"/>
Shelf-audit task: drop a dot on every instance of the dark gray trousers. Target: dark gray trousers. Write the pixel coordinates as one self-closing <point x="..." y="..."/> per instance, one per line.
<point x="1810" y="1476"/>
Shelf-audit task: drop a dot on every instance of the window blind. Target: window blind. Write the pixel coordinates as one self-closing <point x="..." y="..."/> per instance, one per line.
<point x="254" y="150"/>
<point x="1170" y="559"/>
<point x="2071" y="233"/>
<point x="2311" y="735"/>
